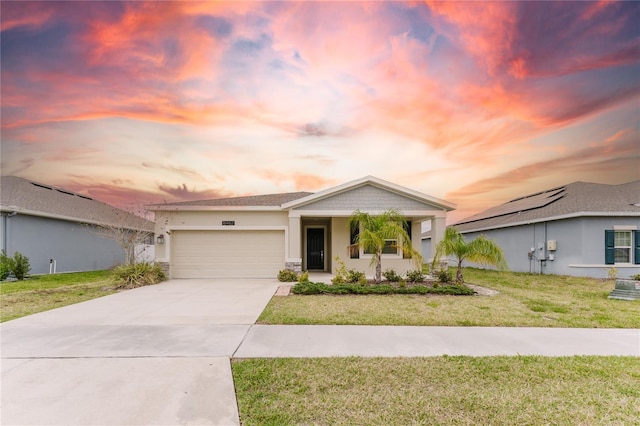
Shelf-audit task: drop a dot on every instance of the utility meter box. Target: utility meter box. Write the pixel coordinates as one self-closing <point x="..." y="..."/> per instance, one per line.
<point x="551" y="245"/>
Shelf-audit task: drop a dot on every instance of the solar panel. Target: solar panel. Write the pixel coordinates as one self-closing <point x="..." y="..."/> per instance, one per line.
<point x="531" y="202"/>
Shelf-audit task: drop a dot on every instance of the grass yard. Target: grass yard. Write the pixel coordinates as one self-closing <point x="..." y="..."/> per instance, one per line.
<point x="440" y="390"/>
<point x="44" y="292"/>
<point x="525" y="300"/>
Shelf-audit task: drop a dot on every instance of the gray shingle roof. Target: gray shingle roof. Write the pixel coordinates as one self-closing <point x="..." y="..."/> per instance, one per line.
<point x="28" y="197"/>
<point x="248" y="201"/>
<point x="578" y="198"/>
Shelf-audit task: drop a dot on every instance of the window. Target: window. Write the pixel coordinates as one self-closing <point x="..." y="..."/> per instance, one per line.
<point x="354" y="251"/>
<point x="622" y="246"/>
<point x="392" y="247"/>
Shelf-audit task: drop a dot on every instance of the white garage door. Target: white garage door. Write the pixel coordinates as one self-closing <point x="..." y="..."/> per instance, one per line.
<point x="227" y="254"/>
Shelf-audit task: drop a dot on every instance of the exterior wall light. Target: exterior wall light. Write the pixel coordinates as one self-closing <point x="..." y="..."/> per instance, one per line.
<point x="160" y="239"/>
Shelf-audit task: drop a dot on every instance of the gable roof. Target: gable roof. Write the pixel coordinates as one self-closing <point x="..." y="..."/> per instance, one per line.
<point x="572" y="200"/>
<point x="267" y="200"/>
<point x="291" y="200"/>
<point x="376" y="182"/>
<point x="32" y="198"/>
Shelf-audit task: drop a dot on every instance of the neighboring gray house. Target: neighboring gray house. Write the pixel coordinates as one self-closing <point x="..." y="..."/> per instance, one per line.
<point x="56" y="228"/>
<point x="581" y="229"/>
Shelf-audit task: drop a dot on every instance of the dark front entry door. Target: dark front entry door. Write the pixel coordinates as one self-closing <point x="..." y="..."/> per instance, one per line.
<point x="315" y="248"/>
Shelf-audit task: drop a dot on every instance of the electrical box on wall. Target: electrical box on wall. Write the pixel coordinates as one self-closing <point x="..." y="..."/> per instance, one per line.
<point x="551" y="245"/>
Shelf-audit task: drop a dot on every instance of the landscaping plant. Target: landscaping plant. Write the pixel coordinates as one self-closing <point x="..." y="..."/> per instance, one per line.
<point x="391" y="276"/>
<point x="308" y="288"/>
<point x="375" y="230"/>
<point x="21" y="266"/>
<point x="287" y="276"/>
<point x="138" y="275"/>
<point x="5" y="265"/>
<point x="18" y="265"/>
<point x="415" y="276"/>
<point x="481" y="250"/>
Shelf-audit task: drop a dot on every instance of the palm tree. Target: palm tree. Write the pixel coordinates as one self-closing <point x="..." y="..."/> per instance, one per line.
<point x="481" y="250"/>
<point x="375" y="232"/>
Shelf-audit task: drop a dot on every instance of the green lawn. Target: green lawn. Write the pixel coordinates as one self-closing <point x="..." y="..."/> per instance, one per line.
<point x="525" y="300"/>
<point x="440" y="390"/>
<point x="44" y="292"/>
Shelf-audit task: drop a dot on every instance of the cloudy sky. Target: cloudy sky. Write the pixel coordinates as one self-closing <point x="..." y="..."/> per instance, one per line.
<point x="474" y="102"/>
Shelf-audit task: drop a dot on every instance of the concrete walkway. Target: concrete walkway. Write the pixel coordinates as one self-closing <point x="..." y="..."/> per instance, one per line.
<point x="160" y="355"/>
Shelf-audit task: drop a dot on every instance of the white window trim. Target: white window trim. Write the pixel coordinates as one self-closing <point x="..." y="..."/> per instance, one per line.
<point x="397" y="255"/>
<point x="629" y="247"/>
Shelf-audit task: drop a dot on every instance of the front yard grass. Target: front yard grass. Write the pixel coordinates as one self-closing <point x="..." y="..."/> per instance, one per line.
<point x="525" y="300"/>
<point x="440" y="390"/>
<point x="45" y="292"/>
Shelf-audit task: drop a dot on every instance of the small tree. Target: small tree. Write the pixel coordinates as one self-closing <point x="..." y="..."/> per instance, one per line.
<point x="374" y="232"/>
<point x="481" y="250"/>
<point x="128" y="229"/>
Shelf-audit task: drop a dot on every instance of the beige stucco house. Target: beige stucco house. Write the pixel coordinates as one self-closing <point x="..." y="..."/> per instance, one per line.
<point x="256" y="236"/>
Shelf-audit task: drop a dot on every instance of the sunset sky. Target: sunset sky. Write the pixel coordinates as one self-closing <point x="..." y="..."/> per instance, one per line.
<point x="476" y="102"/>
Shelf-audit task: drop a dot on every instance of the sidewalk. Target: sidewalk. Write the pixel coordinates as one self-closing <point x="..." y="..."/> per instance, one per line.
<point x="310" y="341"/>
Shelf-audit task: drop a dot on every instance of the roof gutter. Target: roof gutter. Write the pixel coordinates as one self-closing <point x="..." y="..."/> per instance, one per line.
<point x="18" y="210"/>
<point x="550" y="219"/>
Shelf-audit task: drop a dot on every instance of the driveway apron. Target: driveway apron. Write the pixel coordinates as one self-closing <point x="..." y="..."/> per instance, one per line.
<point x="156" y="355"/>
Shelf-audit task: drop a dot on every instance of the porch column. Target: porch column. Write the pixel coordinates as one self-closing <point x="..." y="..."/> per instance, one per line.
<point x="437" y="233"/>
<point x="294" y="256"/>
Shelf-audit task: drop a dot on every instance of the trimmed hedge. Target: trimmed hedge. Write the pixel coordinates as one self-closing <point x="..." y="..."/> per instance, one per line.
<point x="307" y="288"/>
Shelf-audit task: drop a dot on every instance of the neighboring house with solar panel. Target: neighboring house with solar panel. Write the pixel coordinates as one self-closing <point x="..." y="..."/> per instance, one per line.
<point x="56" y="229"/>
<point x="581" y="229"/>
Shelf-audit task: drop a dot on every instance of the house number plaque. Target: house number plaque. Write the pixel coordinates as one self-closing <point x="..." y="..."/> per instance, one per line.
<point x="228" y="222"/>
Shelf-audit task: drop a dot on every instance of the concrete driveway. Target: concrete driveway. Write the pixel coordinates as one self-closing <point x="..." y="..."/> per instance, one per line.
<point x="154" y="355"/>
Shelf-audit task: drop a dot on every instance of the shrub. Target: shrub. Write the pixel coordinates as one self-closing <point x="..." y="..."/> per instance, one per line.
<point x="138" y="275"/>
<point x="391" y="275"/>
<point x="287" y="276"/>
<point x="415" y="276"/>
<point x="304" y="277"/>
<point x="356" y="277"/>
<point x="340" y="277"/>
<point x="321" y="288"/>
<point x="20" y="265"/>
<point x="635" y="277"/>
<point x="445" y="276"/>
<point x="6" y="265"/>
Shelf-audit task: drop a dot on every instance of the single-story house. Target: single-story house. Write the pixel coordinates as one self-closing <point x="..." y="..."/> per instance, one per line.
<point x="58" y="229"/>
<point x="257" y="236"/>
<point x="580" y="229"/>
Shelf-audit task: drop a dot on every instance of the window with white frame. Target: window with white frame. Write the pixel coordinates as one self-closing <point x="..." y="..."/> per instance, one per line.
<point x="622" y="246"/>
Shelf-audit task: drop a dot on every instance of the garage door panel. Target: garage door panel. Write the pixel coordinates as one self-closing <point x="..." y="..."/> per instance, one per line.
<point x="227" y="254"/>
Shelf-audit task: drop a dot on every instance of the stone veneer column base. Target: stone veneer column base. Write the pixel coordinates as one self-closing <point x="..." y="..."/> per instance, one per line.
<point x="293" y="266"/>
<point x="166" y="267"/>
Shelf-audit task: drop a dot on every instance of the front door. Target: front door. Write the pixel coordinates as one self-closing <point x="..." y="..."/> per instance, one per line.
<point x="315" y="248"/>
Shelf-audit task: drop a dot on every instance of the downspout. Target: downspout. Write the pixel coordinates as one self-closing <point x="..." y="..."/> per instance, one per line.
<point x="543" y="261"/>
<point x="5" y="224"/>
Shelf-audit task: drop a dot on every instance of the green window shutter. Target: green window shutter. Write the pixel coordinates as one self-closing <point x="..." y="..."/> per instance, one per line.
<point x="636" y="254"/>
<point x="609" y="243"/>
